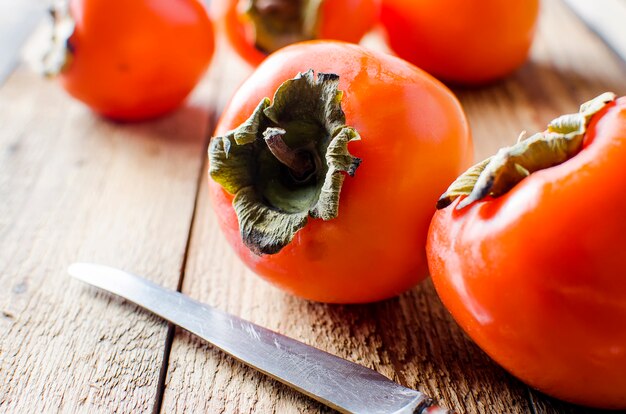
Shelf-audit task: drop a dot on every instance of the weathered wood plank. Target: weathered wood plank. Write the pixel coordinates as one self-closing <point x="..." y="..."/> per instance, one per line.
<point x="74" y="186"/>
<point x="411" y="339"/>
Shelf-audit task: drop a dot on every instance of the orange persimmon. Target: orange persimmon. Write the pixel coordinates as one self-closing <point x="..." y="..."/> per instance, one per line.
<point x="311" y="115"/>
<point x="132" y="60"/>
<point x="531" y="263"/>
<point x="461" y="41"/>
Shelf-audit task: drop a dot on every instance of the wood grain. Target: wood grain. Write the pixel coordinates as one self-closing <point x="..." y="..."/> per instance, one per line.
<point x="411" y="339"/>
<point x="74" y="187"/>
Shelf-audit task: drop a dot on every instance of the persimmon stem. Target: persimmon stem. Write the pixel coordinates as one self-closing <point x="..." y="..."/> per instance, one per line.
<point x="286" y="10"/>
<point x="278" y="23"/>
<point x="299" y="162"/>
<point x="60" y="51"/>
<point x="497" y="175"/>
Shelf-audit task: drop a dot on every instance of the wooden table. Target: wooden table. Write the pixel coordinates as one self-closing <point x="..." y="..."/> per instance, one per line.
<point x="74" y="187"/>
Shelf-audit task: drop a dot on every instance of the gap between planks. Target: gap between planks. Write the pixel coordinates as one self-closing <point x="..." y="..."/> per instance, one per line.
<point x="220" y="97"/>
<point x="171" y="328"/>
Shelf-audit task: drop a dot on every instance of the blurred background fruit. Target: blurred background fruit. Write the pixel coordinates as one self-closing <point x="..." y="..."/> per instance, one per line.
<point x="461" y="41"/>
<point x="132" y="60"/>
<point x="256" y="28"/>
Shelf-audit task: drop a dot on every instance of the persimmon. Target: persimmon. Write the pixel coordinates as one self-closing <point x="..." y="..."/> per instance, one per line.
<point x="527" y="253"/>
<point x="462" y="41"/>
<point x="324" y="166"/>
<point x="132" y="60"/>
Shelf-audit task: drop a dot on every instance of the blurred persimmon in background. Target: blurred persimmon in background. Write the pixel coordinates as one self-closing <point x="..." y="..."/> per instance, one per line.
<point x="256" y="28"/>
<point x="132" y="60"/>
<point x="461" y="41"/>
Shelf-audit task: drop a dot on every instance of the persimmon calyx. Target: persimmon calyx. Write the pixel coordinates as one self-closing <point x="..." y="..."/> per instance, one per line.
<point x="287" y="161"/>
<point x="278" y="23"/>
<point x="60" y="51"/>
<point x="498" y="174"/>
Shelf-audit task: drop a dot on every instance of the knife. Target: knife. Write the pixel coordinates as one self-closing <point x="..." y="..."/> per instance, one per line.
<point x="333" y="381"/>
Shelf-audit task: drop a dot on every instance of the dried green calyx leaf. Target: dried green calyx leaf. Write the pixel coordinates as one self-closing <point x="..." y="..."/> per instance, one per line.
<point x="60" y="51"/>
<point x="278" y="23"/>
<point x="287" y="161"/>
<point x="496" y="175"/>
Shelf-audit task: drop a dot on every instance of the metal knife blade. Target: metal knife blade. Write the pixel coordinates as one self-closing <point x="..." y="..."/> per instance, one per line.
<point x="336" y="382"/>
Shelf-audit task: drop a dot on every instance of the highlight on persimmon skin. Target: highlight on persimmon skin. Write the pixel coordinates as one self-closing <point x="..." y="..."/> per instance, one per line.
<point x="374" y="247"/>
<point x="532" y="268"/>
<point x="461" y="41"/>
<point x="345" y="20"/>
<point x="134" y="60"/>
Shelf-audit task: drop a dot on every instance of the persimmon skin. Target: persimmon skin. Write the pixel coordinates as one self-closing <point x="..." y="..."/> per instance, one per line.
<point x="135" y="60"/>
<point x="414" y="140"/>
<point x="536" y="277"/>
<point x="460" y="41"/>
<point x="345" y="20"/>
